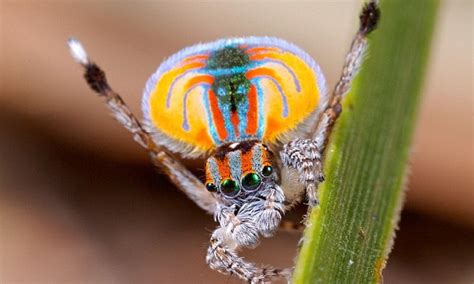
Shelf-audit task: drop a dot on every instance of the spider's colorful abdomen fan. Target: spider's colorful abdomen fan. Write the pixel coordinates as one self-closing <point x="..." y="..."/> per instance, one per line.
<point x="230" y="90"/>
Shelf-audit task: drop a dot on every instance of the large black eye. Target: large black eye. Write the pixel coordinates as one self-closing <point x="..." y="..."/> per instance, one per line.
<point x="211" y="187"/>
<point x="251" y="181"/>
<point x="267" y="170"/>
<point x="230" y="187"/>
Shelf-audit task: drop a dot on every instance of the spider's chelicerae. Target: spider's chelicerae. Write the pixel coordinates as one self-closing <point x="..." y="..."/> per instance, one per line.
<point x="258" y="110"/>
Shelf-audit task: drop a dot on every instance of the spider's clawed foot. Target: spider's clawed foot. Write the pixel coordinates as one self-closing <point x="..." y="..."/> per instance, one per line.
<point x="369" y="17"/>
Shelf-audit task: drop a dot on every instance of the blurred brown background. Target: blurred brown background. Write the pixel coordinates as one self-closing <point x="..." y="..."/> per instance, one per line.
<point x="79" y="200"/>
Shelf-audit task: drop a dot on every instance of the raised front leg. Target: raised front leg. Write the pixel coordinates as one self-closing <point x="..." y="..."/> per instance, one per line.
<point x="176" y="172"/>
<point x="305" y="155"/>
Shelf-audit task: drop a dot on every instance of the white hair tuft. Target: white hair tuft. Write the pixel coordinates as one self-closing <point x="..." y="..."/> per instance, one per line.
<point x="234" y="145"/>
<point x="77" y="51"/>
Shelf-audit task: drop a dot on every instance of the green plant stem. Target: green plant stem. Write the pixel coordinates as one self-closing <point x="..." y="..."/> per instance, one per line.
<point x="352" y="231"/>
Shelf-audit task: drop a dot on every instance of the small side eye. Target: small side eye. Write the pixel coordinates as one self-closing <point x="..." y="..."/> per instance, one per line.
<point x="211" y="187"/>
<point x="267" y="170"/>
<point x="230" y="188"/>
<point x="251" y="181"/>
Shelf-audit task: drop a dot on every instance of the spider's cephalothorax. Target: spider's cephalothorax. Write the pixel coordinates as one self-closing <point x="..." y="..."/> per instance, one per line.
<point x="238" y="171"/>
<point x="245" y="183"/>
<point x="231" y="101"/>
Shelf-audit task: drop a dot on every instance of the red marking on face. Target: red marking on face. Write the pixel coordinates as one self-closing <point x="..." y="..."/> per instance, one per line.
<point x="224" y="169"/>
<point x="246" y="162"/>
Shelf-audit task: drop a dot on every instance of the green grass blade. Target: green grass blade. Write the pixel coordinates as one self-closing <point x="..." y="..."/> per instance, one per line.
<point x="352" y="230"/>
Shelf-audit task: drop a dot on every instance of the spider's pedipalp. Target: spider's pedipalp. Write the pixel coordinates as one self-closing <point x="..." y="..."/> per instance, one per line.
<point x="221" y="256"/>
<point x="241" y="225"/>
<point x="259" y="214"/>
<point x="240" y="228"/>
<point x="270" y="210"/>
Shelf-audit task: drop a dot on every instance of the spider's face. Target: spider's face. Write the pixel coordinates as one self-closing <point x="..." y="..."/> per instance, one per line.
<point x="240" y="169"/>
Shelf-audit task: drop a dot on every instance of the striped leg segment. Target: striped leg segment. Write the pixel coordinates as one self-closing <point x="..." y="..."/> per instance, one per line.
<point x="176" y="172"/>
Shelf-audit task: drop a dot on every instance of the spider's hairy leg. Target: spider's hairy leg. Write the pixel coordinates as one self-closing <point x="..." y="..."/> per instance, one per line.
<point x="305" y="155"/>
<point x="163" y="160"/>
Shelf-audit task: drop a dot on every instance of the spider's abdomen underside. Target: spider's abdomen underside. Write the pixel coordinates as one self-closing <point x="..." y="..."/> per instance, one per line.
<point x="231" y="90"/>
